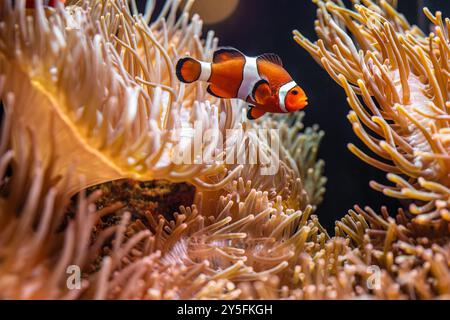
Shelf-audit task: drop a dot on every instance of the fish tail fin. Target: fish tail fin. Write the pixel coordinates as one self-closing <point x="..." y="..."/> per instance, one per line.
<point x="188" y="70"/>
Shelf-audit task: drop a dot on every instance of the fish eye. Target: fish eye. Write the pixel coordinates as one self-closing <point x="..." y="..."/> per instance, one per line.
<point x="294" y="92"/>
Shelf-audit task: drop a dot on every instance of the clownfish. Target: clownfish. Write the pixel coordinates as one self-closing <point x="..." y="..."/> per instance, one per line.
<point x="260" y="81"/>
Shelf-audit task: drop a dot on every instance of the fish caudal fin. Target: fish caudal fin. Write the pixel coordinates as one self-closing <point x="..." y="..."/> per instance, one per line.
<point x="188" y="70"/>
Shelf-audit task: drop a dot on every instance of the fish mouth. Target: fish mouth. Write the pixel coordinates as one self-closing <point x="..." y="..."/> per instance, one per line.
<point x="303" y="103"/>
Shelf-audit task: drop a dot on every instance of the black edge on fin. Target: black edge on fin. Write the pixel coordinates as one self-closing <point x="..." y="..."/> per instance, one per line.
<point x="249" y="113"/>
<point x="226" y="53"/>
<point x="271" y="57"/>
<point x="209" y="90"/>
<point x="256" y="86"/>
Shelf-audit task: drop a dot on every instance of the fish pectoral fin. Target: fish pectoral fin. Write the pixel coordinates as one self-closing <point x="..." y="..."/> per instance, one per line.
<point x="261" y="91"/>
<point x="217" y="92"/>
<point x="254" y="113"/>
<point x="226" y="53"/>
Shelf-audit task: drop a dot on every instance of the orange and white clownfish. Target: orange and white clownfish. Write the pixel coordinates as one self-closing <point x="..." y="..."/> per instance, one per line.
<point x="261" y="81"/>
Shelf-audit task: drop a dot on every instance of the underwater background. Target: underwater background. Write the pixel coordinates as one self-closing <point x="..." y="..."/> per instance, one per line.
<point x="95" y="204"/>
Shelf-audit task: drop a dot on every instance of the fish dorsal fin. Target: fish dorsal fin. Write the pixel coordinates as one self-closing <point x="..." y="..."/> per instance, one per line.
<point x="271" y="57"/>
<point x="226" y="53"/>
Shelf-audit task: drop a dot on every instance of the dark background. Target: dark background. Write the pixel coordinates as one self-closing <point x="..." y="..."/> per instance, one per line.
<point x="266" y="26"/>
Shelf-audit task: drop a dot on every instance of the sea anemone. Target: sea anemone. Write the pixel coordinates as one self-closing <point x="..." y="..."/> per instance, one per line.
<point x="93" y="119"/>
<point x="206" y="250"/>
<point x="396" y="81"/>
<point x="89" y="96"/>
<point x="97" y="87"/>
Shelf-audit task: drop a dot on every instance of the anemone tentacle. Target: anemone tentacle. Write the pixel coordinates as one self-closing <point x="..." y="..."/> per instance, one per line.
<point x="396" y="80"/>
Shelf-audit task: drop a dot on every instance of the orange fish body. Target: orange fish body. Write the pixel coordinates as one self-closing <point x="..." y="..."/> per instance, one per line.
<point x="261" y="81"/>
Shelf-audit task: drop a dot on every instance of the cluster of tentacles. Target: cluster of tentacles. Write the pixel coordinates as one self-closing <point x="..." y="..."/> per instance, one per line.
<point x="89" y="96"/>
<point x="397" y="83"/>
<point x="237" y="243"/>
<point x="226" y="238"/>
